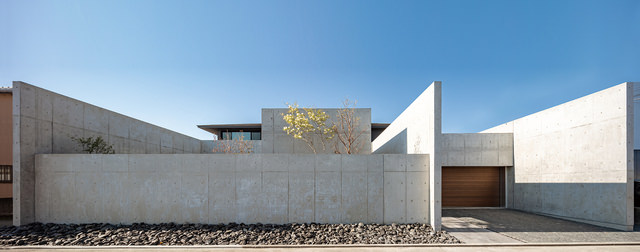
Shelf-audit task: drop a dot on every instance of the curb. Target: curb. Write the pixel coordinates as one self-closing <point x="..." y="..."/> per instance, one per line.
<point x="580" y="244"/>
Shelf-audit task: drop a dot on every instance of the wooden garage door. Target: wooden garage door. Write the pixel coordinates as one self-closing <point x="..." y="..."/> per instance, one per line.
<point x="472" y="186"/>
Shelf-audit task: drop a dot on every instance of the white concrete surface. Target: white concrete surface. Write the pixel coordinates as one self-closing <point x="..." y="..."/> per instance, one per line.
<point x="418" y="130"/>
<point x="276" y="140"/>
<point x="575" y="160"/>
<point x="44" y="122"/>
<point x="249" y="188"/>
<point x="470" y="233"/>
<point x="477" y="149"/>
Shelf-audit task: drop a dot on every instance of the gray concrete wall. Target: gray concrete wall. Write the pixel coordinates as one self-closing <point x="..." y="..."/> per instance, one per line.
<point x="477" y="149"/>
<point x="209" y="145"/>
<point x="250" y="188"/>
<point x="575" y="160"/>
<point x="276" y="140"/>
<point x="418" y="130"/>
<point x="636" y="116"/>
<point x="44" y="122"/>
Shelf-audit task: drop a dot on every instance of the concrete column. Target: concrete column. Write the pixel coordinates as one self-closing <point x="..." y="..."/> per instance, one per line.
<point x="434" y="148"/>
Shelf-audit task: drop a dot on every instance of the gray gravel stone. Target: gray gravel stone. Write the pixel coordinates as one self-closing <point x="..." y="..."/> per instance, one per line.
<point x="229" y="234"/>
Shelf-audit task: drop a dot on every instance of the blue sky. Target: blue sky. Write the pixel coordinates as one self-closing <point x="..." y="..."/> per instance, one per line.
<point x="177" y="64"/>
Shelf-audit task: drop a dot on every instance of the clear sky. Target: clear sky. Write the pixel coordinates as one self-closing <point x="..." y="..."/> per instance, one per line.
<point x="177" y="64"/>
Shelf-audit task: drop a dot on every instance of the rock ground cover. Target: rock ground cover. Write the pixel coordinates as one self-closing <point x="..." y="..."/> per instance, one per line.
<point x="227" y="234"/>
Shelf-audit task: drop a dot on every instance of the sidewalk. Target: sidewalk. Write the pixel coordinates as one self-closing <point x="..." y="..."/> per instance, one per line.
<point x="443" y="248"/>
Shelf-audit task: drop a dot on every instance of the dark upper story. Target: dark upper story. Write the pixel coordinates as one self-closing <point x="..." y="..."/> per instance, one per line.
<point x="252" y="131"/>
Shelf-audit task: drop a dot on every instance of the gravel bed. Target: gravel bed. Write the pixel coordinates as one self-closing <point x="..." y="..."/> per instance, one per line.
<point x="228" y="234"/>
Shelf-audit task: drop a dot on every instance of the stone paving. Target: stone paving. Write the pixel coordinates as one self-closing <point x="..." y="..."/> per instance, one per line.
<point x="514" y="226"/>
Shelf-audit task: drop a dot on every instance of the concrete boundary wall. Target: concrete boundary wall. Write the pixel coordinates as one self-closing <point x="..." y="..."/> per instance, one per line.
<point x="477" y="149"/>
<point x="44" y="122"/>
<point x="242" y="188"/>
<point x="575" y="160"/>
<point x="418" y="130"/>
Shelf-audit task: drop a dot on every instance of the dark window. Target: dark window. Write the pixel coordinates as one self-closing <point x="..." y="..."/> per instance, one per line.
<point x="6" y="173"/>
<point x="236" y="135"/>
<point x="240" y="135"/>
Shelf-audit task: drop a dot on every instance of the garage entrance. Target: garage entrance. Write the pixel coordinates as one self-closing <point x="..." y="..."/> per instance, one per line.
<point x="472" y="186"/>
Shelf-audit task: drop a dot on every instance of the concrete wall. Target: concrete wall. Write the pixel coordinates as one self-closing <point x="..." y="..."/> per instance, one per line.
<point x="575" y="160"/>
<point x="44" y="122"/>
<point x="636" y="127"/>
<point x="209" y="145"/>
<point x="636" y="116"/>
<point x="201" y="188"/>
<point x="275" y="140"/>
<point x="418" y="130"/>
<point x="477" y="149"/>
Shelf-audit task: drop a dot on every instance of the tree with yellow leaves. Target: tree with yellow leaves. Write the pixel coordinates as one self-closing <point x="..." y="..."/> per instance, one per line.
<point x="308" y="125"/>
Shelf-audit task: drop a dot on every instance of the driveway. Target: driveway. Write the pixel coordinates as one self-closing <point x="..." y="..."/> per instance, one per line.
<point x="512" y="226"/>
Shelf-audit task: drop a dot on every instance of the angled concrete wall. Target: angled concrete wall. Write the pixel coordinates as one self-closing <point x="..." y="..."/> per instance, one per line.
<point x="477" y="149"/>
<point x="276" y="140"/>
<point x="250" y="188"/>
<point x="418" y="130"/>
<point x="44" y="122"/>
<point x="575" y="160"/>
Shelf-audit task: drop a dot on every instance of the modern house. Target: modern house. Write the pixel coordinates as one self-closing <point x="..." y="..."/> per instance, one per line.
<point x="573" y="161"/>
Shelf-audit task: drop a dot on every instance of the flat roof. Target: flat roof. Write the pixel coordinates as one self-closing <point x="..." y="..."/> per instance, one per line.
<point x="213" y="127"/>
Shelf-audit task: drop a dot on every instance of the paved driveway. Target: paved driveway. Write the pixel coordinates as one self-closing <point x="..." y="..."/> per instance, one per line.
<point x="511" y="226"/>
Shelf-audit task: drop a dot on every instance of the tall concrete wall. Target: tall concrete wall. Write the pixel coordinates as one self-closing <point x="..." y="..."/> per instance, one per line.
<point x="276" y="140"/>
<point x="636" y="116"/>
<point x="418" y="130"/>
<point x="200" y="188"/>
<point x="477" y="149"/>
<point x="44" y="122"/>
<point x="575" y="160"/>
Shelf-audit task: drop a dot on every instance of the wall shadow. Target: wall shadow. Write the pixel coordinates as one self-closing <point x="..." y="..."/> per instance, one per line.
<point x="396" y="145"/>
